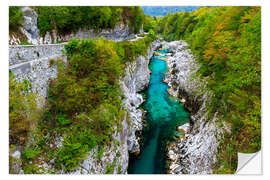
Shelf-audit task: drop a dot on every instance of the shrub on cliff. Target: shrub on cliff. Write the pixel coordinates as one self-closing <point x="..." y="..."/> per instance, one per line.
<point x="15" y="18"/>
<point x="129" y="51"/>
<point x="23" y="111"/>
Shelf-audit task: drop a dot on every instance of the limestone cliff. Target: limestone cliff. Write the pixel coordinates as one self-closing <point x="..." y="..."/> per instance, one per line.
<point x="196" y="153"/>
<point x="136" y="79"/>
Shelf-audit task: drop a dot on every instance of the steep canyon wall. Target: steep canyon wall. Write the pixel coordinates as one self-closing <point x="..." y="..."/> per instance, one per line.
<point x="196" y="153"/>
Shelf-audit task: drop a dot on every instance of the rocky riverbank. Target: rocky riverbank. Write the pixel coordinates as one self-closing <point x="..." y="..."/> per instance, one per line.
<point x="196" y="152"/>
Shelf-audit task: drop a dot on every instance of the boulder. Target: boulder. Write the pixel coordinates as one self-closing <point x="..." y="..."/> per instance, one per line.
<point x="30" y="25"/>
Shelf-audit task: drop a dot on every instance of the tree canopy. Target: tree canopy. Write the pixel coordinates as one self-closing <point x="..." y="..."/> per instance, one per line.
<point x="66" y="19"/>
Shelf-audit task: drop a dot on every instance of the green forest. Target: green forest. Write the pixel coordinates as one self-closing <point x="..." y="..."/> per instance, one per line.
<point x="85" y="102"/>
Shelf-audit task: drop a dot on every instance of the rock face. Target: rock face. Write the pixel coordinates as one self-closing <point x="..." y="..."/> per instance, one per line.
<point x="30" y="28"/>
<point x="196" y="152"/>
<point x="30" y="31"/>
<point x="15" y="161"/>
<point x="136" y="79"/>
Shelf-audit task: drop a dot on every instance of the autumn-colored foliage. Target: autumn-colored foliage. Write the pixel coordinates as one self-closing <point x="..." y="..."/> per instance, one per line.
<point x="227" y="43"/>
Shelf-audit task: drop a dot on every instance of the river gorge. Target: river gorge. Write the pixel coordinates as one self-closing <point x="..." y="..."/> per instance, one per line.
<point x="159" y="89"/>
<point x="164" y="114"/>
<point x="134" y="94"/>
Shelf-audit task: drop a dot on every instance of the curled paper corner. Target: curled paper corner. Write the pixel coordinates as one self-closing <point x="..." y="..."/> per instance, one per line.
<point x="249" y="163"/>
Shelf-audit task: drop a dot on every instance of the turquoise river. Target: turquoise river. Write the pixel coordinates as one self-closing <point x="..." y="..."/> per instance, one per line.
<point x="164" y="114"/>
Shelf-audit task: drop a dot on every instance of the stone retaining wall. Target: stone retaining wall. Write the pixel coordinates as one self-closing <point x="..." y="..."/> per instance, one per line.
<point x="32" y="63"/>
<point x="23" y="53"/>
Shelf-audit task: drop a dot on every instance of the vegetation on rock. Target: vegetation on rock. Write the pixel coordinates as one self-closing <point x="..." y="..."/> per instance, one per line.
<point x="23" y="110"/>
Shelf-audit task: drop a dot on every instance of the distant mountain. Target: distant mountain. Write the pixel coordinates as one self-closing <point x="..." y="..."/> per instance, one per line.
<point x="164" y="10"/>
